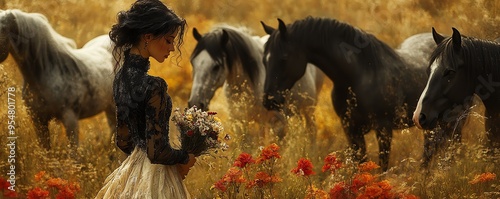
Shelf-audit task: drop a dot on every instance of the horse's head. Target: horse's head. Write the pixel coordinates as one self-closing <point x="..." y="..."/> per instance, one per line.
<point x="7" y="29"/>
<point x="448" y="84"/>
<point x="209" y="70"/>
<point x="285" y="62"/>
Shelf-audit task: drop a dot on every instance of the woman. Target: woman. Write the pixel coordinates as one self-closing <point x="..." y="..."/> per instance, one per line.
<point x="153" y="168"/>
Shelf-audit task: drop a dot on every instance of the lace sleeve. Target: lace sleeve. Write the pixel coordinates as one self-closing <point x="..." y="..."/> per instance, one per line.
<point x="124" y="140"/>
<point x="158" y="110"/>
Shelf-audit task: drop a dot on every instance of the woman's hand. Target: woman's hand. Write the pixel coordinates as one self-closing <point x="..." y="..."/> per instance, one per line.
<point x="184" y="168"/>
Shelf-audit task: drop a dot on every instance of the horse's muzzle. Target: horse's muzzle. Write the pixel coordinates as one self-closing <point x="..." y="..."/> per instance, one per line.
<point x="426" y="121"/>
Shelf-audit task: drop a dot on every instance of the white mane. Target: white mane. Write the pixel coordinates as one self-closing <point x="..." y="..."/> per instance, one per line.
<point x="49" y="48"/>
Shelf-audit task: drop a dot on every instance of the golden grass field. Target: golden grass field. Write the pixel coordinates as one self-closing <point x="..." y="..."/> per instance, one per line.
<point x="390" y="21"/>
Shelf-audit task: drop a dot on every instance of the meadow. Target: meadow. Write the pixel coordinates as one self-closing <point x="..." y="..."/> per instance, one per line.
<point x="450" y="176"/>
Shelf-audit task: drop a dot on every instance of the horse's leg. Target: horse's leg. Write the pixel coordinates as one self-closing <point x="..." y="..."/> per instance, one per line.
<point x="384" y="137"/>
<point x="42" y="130"/>
<point x="356" y="139"/>
<point x="433" y="142"/>
<point x="70" y="121"/>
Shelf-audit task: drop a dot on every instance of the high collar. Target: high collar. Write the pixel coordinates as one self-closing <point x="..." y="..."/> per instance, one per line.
<point x="136" y="61"/>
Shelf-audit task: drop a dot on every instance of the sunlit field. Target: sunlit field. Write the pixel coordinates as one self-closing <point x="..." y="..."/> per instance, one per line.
<point x="450" y="175"/>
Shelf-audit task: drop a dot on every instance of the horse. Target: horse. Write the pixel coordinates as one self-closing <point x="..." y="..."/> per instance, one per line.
<point x="459" y="68"/>
<point x="231" y="58"/>
<point x="60" y="81"/>
<point x="374" y="85"/>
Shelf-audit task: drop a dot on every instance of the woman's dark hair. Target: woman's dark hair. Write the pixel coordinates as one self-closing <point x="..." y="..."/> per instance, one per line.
<point x="144" y="17"/>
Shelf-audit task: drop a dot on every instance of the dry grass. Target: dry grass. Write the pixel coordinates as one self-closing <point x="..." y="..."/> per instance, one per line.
<point x="391" y="22"/>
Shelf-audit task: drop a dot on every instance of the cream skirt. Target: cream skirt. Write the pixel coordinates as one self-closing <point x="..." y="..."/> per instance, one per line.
<point x="138" y="178"/>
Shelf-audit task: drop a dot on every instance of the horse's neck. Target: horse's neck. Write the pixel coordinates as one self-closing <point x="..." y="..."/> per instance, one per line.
<point x="344" y="57"/>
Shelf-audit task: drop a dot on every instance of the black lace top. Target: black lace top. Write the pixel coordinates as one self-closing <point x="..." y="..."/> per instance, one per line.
<point x="143" y="112"/>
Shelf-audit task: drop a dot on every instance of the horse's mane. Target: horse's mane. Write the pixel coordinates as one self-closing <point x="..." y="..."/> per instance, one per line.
<point x="240" y="47"/>
<point x="479" y="56"/>
<point x="316" y="32"/>
<point x="41" y="47"/>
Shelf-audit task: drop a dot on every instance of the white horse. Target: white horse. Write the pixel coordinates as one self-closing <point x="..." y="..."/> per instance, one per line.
<point x="60" y="81"/>
<point x="231" y="58"/>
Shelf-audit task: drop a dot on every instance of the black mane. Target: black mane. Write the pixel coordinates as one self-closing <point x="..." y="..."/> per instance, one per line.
<point x="479" y="56"/>
<point x="237" y="49"/>
<point x="317" y="32"/>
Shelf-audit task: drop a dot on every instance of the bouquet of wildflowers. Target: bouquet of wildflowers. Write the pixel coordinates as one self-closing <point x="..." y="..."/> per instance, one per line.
<point x="199" y="130"/>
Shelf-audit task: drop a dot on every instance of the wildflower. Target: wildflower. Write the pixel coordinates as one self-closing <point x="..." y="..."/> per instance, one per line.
<point x="66" y="193"/>
<point x="262" y="179"/>
<point x="384" y="184"/>
<point x="361" y="180"/>
<point x="38" y="193"/>
<point x="269" y="152"/>
<point x="57" y="183"/>
<point x="368" y="166"/>
<point x="221" y="185"/>
<point x="10" y="194"/>
<point x="373" y="191"/>
<point x="234" y="175"/>
<point x="484" y="177"/>
<point x="4" y="185"/>
<point x="315" y="193"/>
<point x="331" y="163"/>
<point x="339" y="191"/>
<point x="304" y="168"/>
<point x="407" y="196"/>
<point x="39" y="176"/>
<point x="243" y="160"/>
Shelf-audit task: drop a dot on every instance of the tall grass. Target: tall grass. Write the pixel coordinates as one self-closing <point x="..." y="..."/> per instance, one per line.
<point x="391" y="21"/>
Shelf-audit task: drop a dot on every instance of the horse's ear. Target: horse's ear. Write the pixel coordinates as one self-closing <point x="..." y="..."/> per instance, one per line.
<point x="282" y="28"/>
<point x="196" y="34"/>
<point x="457" y="39"/>
<point x="437" y="37"/>
<point x="268" y="29"/>
<point x="224" y="39"/>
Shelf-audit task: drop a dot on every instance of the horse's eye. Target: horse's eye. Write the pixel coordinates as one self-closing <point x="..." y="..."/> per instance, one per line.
<point x="216" y="68"/>
<point x="449" y="73"/>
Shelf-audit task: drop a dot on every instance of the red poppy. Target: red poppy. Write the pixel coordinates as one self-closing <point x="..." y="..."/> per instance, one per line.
<point x="261" y="179"/>
<point x="243" y="160"/>
<point x="39" y="176"/>
<point x="269" y="152"/>
<point x="65" y="193"/>
<point x="331" y="163"/>
<point x="304" y="168"/>
<point x="10" y="194"/>
<point x="38" y="193"/>
<point x="368" y="166"/>
<point x="339" y="191"/>
<point x="4" y="185"/>
<point x="361" y="180"/>
<point x="57" y="183"/>
<point x="484" y="177"/>
<point x="234" y="175"/>
<point x="221" y="185"/>
<point x="190" y="133"/>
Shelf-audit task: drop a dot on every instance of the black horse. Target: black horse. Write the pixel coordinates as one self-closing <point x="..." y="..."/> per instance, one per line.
<point x="460" y="67"/>
<point x="375" y="87"/>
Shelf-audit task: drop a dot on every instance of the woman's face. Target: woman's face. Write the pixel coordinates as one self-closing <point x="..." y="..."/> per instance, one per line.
<point x="160" y="48"/>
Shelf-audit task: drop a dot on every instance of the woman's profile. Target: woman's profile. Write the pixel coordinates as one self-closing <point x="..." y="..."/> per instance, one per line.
<point x="153" y="169"/>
